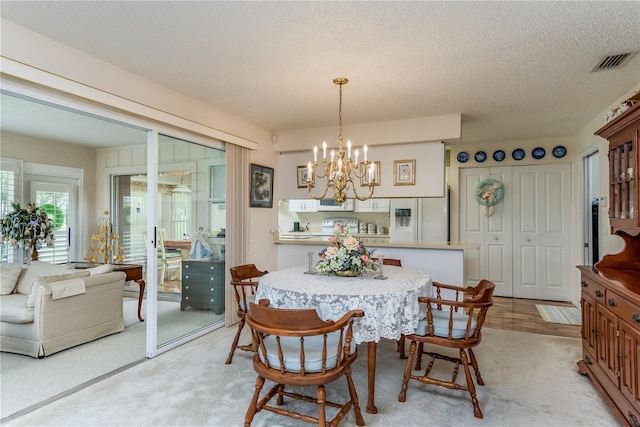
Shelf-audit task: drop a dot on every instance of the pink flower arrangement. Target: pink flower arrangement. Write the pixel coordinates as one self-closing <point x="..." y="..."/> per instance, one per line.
<point x="345" y="252"/>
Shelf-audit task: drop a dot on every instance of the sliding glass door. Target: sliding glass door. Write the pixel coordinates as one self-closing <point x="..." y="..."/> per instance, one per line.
<point x="187" y="236"/>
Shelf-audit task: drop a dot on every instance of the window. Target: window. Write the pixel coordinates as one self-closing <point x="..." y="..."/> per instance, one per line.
<point x="10" y="172"/>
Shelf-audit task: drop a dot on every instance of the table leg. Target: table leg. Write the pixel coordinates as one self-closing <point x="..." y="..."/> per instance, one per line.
<point x="372" y="347"/>
<point x="142" y="285"/>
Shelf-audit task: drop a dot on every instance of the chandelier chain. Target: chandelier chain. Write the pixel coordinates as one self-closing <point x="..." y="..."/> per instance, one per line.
<point x="340" y="116"/>
<point x="341" y="170"/>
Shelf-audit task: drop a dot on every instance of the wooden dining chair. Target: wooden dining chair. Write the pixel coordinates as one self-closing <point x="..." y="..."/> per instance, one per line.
<point x="401" y="340"/>
<point x="294" y="347"/>
<point x="168" y="260"/>
<point x="390" y="261"/>
<point x="244" y="288"/>
<point x="451" y="324"/>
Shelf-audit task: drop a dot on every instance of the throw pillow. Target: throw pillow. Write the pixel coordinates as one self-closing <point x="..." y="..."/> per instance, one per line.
<point x="9" y="278"/>
<point x="31" y="299"/>
<point x="101" y="269"/>
<point x="37" y="269"/>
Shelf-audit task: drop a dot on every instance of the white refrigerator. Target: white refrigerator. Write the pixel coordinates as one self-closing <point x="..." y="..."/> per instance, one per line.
<point x="425" y="219"/>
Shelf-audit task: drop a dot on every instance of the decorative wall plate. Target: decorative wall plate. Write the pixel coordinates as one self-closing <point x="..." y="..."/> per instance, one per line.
<point x="480" y="156"/>
<point x="538" y="153"/>
<point x="559" y="152"/>
<point x="499" y="155"/>
<point x="463" y="157"/>
<point x="518" y="154"/>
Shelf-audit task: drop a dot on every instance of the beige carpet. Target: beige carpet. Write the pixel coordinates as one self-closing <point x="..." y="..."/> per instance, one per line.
<point x="530" y="380"/>
<point x="26" y="381"/>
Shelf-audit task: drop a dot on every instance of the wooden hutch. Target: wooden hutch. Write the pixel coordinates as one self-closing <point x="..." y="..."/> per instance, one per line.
<point x="610" y="298"/>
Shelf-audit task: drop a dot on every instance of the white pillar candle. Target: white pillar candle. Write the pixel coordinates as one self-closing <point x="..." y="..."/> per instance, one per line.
<point x="365" y="152"/>
<point x="324" y="150"/>
<point x="315" y="154"/>
<point x="356" y="157"/>
<point x="309" y="171"/>
<point x="348" y="149"/>
<point x="333" y="153"/>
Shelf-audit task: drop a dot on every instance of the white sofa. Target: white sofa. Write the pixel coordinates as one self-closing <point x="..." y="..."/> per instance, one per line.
<point x="52" y="308"/>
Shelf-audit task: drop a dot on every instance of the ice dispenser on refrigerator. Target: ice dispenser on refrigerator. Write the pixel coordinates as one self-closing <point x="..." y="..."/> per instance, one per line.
<point x="403" y="224"/>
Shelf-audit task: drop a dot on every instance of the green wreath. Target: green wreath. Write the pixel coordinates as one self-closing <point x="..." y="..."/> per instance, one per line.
<point x="489" y="192"/>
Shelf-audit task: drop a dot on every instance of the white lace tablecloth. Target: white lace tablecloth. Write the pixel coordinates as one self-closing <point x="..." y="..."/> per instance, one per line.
<point x="390" y="306"/>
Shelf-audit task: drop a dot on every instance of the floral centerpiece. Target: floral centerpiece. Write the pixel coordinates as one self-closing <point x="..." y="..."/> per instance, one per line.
<point x="29" y="227"/>
<point x="346" y="255"/>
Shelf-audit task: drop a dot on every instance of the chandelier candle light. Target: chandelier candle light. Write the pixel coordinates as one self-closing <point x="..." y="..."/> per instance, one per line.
<point x="340" y="170"/>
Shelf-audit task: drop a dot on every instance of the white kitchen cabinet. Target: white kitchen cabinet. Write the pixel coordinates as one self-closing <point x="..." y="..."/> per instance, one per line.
<point x="303" y="205"/>
<point x="372" y="205"/>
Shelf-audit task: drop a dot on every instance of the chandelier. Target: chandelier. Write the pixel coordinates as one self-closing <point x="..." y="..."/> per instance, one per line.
<point x="342" y="169"/>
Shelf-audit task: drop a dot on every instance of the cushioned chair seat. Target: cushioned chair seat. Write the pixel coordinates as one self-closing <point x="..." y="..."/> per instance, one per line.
<point x="312" y="352"/>
<point x="441" y="324"/>
<point x="250" y="299"/>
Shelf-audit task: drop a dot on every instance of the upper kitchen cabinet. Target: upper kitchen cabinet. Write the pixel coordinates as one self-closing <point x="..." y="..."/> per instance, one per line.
<point x="303" y="205"/>
<point x="372" y="205"/>
<point x="429" y="170"/>
<point x="624" y="192"/>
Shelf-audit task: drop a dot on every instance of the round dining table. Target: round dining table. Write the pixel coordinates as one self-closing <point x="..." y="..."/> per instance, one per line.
<point x="390" y="305"/>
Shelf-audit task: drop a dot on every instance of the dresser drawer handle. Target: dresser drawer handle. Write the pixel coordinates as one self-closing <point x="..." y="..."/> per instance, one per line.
<point x="633" y="420"/>
<point x="584" y="284"/>
<point x="635" y="317"/>
<point x="612" y="302"/>
<point x="588" y="360"/>
<point x="599" y="293"/>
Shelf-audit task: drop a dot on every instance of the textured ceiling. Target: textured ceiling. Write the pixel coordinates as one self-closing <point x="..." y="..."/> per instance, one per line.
<point x="514" y="70"/>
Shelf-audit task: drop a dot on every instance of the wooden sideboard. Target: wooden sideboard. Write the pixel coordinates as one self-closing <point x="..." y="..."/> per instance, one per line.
<point x="611" y="337"/>
<point x="610" y="299"/>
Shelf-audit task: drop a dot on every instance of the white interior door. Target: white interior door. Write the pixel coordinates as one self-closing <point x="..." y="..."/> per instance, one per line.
<point x="542" y="232"/>
<point x="524" y="247"/>
<point x="493" y="234"/>
<point x="64" y="198"/>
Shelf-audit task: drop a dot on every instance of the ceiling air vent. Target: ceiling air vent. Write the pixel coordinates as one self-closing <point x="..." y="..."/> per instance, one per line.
<point x="611" y="62"/>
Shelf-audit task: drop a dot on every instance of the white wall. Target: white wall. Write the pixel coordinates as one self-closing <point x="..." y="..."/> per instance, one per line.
<point x="57" y="153"/>
<point x="29" y="57"/>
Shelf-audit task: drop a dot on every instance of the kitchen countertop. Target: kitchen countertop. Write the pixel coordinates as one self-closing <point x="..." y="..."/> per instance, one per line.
<point x="378" y="242"/>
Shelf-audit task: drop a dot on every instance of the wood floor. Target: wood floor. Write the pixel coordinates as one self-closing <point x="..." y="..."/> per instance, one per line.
<point x="521" y="315"/>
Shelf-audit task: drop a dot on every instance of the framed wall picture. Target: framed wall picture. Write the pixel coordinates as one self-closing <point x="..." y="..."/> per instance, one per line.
<point x="366" y="176"/>
<point x="303" y="173"/>
<point x="261" y="190"/>
<point x="404" y="172"/>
